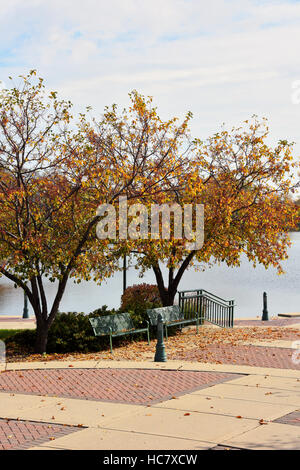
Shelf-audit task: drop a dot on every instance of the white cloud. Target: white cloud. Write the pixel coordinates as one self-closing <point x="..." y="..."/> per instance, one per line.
<point x="224" y="60"/>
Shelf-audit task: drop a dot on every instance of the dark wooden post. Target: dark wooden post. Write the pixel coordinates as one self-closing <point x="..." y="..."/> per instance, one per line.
<point x="265" y="315"/>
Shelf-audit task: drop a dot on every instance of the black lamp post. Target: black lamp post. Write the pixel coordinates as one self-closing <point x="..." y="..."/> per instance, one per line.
<point x="25" y="309"/>
<point x="124" y="273"/>
<point x="160" y="354"/>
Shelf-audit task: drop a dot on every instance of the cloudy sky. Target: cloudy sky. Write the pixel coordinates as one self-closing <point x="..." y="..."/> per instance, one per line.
<point x="224" y="60"/>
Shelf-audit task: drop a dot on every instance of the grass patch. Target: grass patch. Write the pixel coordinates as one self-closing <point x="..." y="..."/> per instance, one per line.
<point x="4" y="334"/>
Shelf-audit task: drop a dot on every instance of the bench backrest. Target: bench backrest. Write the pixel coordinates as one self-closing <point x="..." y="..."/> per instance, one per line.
<point x="118" y="322"/>
<point x="169" y="314"/>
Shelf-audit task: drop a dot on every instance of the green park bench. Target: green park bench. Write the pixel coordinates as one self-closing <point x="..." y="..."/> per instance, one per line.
<point x="119" y="324"/>
<point x="172" y="316"/>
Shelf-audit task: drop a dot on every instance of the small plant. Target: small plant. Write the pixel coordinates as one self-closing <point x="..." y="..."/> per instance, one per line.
<point x="102" y="312"/>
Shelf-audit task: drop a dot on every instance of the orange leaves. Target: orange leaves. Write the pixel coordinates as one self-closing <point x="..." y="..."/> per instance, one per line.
<point x="262" y="421"/>
<point x="50" y="189"/>
<point x="177" y="346"/>
<point x="244" y="185"/>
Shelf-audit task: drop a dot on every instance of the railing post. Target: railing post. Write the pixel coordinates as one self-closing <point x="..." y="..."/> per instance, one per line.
<point x="201" y="309"/>
<point x="179" y="300"/>
<point x="230" y="314"/>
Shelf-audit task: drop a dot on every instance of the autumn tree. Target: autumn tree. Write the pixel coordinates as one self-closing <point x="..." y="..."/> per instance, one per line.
<point x="243" y="184"/>
<point x="54" y="173"/>
<point x="297" y="203"/>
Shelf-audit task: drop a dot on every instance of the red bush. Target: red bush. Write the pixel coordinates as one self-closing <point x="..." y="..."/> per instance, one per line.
<point x="138" y="298"/>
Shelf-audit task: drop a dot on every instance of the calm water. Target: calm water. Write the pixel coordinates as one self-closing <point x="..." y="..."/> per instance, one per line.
<point x="244" y="284"/>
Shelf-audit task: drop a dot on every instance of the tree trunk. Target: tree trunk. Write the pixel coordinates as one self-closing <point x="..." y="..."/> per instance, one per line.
<point x="42" y="330"/>
<point x="43" y="320"/>
<point x="168" y="297"/>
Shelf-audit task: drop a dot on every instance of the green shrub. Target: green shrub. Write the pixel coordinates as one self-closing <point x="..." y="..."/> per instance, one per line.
<point x="102" y="312"/>
<point x="24" y="340"/>
<point x="70" y="332"/>
<point x="137" y="299"/>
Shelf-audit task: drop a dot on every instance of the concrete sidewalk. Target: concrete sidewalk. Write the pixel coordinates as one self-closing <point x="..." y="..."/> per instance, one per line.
<point x="16" y="323"/>
<point x="256" y="408"/>
<point x="130" y="405"/>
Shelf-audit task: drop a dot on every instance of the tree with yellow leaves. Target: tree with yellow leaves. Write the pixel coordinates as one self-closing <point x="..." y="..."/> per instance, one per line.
<point x="54" y="174"/>
<point x="244" y="185"/>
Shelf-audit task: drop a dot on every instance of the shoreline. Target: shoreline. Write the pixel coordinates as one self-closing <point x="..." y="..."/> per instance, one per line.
<point x="254" y="318"/>
<point x="19" y="323"/>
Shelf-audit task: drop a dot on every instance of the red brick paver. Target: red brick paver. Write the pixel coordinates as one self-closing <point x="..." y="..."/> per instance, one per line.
<point x="291" y="418"/>
<point x="270" y="323"/>
<point x="114" y="385"/>
<point x="15" y="434"/>
<point x="220" y="447"/>
<point x="279" y="358"/>
<point x="14" y="319"/>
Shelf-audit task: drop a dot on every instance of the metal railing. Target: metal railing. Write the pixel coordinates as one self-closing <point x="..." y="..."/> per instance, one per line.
<point x="209" y="307"/>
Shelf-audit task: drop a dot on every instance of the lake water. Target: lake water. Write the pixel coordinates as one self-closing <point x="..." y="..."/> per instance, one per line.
<point x="244" y="284"/>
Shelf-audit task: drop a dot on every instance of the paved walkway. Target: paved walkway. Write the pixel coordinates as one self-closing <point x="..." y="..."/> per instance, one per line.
<point x="141" y="387"/>
<point x="278" y="321"/>
<point x="17" y="434"/>
<point x="212" y="406"/>
<point x="244" y="396"/>
<point x="259" y="356"/>
<point x="16" y="323"/>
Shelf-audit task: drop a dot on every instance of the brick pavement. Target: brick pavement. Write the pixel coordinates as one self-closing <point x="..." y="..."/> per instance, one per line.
<point x="113" y="385"/>
<point x="291" y="418"/>
<point x="17" y="434"/>
<point x="258" y="356"/>
<point x="15" y="319"/>
<point x="270" y="323"/>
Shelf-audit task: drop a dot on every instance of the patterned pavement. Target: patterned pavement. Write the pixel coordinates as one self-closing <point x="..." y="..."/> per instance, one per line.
<point x="270" y="323"/>
<point x="17" y="435"/>
<point x="5" y="319"/>
<point x="291" y="418"/>
<point x="257" y="356"/>
<point x="132" y="386"/>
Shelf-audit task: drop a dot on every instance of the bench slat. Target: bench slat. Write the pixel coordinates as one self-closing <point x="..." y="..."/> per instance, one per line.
<point x="169" y="314"/>
<point x="118" y="323"/>
<point x="121" y="333"/>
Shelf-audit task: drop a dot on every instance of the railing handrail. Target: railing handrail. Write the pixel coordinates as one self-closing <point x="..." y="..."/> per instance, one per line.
<point x="219" y="302"/>
<point x="217" y="310"/>
<point x="203" y="290"/>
